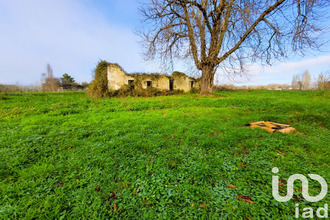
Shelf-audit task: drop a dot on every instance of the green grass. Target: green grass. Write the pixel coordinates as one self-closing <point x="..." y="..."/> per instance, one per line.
<point x="158" y="158"/>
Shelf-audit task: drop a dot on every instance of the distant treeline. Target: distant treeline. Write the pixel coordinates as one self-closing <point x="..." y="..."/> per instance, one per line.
<point x="18" y="88"/>
<point x="49" y="83"/>
<point x="38" y="88"/>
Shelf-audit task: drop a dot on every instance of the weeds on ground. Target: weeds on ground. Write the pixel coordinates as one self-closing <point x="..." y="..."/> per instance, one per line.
<point x="67" y="155"/>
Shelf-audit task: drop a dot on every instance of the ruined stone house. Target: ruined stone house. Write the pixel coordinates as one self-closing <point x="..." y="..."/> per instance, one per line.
<point x="117" y="78"/>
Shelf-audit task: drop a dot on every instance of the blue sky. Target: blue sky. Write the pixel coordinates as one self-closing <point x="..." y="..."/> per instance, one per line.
<point x="73" y="35"/>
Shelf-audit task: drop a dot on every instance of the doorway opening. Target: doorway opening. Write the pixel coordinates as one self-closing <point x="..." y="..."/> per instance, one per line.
<point x="171" y="84"/>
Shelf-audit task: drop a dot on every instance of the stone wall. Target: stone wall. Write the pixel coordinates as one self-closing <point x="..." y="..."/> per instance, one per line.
<point x="183" y="82"/>
<point x="118" y="78"/>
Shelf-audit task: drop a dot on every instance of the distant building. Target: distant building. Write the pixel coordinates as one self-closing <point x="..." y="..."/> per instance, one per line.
<point x="117" y="78"/>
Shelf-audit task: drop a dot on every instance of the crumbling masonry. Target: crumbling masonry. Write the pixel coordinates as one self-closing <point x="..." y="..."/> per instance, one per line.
<point x="117" y="78"/>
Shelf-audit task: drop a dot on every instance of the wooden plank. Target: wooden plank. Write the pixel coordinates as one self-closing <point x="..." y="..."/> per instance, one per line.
<point x="272" y="126"/>
<point x="287" y="130"/>
<point x="258" y="122"/>
<point x="283" y="125"/>
<point x="254" y="126"/>
<point x="269" y="125"/>
<point x="270" y="130"/>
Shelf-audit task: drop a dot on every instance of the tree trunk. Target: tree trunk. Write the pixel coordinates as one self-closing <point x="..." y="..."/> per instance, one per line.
<point x="207" y="79"/>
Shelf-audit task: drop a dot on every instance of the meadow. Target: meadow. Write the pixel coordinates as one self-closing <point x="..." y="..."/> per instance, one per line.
<point x="69" y="156"/>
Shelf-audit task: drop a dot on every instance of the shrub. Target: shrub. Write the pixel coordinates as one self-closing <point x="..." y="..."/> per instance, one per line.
<point x="99" y="86"/>
<point x="194" y="91"/>
<point x="2" y="96"/>
<point x="139" y="92"/>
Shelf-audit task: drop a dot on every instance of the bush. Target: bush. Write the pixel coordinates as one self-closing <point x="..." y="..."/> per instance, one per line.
<point x="2" y="96"/>
<point x="194" y="91"/>
<point x="99" y="86"/>
<point x="139" y="92"/>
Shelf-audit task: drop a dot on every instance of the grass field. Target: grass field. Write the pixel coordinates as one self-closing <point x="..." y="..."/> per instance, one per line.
<point x="66" y="155"/>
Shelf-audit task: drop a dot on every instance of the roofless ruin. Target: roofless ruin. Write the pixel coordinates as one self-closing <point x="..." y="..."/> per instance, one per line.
<point x="117" y="78"/>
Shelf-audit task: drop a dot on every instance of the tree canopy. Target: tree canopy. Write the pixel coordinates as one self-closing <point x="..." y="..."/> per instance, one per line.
<point x="67" y="81"/>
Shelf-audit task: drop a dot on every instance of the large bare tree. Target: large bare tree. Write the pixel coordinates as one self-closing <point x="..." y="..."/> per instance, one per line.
<point x="230" y="32"/>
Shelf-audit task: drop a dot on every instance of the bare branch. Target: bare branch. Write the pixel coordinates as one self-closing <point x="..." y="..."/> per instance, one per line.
<point x="230" y="32"/>
<point x="246" y="34"/>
